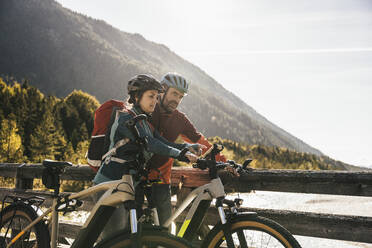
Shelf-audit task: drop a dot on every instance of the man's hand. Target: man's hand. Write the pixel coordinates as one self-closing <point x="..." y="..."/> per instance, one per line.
<point x="232" y="171"/>
<point x="193" y="158"/>
<point x="197" y="149"/>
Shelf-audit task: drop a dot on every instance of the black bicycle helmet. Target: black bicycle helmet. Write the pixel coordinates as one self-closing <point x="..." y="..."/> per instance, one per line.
<point x="143" y="82"/>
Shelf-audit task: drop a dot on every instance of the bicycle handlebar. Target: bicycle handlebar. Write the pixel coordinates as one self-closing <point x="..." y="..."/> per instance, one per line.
<point x="210" y="164"/>
<point x="214" y="166"/>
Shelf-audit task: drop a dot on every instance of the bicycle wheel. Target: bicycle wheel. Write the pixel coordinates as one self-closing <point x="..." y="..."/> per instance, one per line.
<point x="150" y="238"/>
<point x="252" y="231"/>
<point x="16" y="217"/>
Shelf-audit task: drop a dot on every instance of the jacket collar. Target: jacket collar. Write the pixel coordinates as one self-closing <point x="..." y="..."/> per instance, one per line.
<point x="137" y="110"/>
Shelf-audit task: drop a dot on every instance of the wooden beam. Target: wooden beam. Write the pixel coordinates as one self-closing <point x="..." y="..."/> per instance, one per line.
<point x="317" y="182"/>
<point x="300" y="181"/>
<point x="331" y="226"/>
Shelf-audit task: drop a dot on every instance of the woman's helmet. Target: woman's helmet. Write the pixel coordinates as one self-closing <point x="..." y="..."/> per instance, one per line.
<point x="175" y="80"/>
<point x="137" y="85"/>
<point x="143" y="82"/>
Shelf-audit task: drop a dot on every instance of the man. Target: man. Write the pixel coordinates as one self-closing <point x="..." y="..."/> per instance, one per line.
<point x="171" y="123"/>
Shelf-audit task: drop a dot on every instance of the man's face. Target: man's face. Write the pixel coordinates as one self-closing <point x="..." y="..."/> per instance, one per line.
<point x="171" y="99"/>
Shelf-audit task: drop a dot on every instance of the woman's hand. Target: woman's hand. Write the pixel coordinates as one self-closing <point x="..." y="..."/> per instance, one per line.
<point x="192" y="157"/>
<point x="197" y="149"/>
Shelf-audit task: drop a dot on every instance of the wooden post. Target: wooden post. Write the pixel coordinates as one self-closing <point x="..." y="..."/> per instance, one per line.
<point x="22" y="182"/>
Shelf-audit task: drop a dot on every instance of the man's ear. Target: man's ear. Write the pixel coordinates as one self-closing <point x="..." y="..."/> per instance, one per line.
<point x="165" y="87"/>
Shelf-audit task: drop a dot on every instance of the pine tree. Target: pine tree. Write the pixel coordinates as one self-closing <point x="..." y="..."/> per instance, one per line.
<point x="5" y="95"/>
<point x="44" y="138"/>
<point x="35" y="104"/>
<point x="11" y="149"/>
<point x="69" y="154"/>
<point x="59" y="144"/>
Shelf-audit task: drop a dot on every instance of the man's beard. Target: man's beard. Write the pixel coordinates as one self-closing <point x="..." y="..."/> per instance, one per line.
<point x="167" y="108"/>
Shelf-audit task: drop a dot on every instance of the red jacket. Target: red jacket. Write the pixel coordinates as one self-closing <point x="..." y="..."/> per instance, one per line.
<point x="170" y="126"/>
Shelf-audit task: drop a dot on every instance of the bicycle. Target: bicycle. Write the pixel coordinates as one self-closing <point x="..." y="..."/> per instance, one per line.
<point x="235" y="228"/>
<point x="21" y="226"/>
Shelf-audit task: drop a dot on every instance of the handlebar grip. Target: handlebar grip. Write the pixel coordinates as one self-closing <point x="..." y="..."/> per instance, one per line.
<point x="215" y="149"/>
<point x="182" y="156"/>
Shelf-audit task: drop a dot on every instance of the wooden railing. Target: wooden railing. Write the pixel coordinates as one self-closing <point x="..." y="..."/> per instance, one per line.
<point x="340" y="227"/>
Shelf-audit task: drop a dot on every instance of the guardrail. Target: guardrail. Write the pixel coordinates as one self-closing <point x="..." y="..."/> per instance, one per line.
<point x="340" y="227"/>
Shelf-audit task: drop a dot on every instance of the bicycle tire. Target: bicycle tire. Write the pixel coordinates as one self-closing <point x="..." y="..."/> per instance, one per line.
<point x="258" y="232"/>
<point x="153" y="237"/>
<point x="17" y="216"/>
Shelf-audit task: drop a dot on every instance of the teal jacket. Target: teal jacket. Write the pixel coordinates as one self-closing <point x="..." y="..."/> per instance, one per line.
<point x="113" y="167"/>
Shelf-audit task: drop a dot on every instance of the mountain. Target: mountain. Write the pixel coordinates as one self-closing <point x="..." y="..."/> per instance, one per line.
<point x="59" y="50"/>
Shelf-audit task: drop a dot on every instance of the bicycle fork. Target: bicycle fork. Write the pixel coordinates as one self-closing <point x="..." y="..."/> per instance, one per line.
<point x="135" y="235"/>
<point x="133" y="221"/>
<point x="226" y="226"/>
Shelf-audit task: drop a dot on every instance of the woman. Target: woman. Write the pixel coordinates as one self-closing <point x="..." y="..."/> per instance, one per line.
<point x="143" y="93"/>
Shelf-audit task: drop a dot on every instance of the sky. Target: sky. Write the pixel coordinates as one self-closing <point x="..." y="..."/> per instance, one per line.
<point x="304" y="65"/>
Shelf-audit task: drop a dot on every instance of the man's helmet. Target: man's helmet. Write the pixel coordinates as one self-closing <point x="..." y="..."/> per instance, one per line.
<point x="143" y="82"/>
<point x="175" y="80"/>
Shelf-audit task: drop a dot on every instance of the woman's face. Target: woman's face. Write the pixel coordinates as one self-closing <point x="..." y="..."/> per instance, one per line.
<point x="148" y="101"/>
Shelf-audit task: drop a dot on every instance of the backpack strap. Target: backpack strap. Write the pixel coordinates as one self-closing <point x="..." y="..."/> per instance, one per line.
<point x="119" y="143"/>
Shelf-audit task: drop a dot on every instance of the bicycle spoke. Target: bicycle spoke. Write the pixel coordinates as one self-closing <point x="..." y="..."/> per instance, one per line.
<point x="253" y="239"/>
<point x="12" y="226"/>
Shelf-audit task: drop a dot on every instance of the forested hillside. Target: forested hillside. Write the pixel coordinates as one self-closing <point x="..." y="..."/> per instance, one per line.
<point x="35" y="127"/>
<point x="59" y="50"/>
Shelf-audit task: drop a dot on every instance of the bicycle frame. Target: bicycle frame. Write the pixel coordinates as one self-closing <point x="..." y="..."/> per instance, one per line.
<point x="203" y="196"/>
<point x="117" y="192"/>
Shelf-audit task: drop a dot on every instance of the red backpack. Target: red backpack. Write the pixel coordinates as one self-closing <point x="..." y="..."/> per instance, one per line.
<point x="103" y="119"/>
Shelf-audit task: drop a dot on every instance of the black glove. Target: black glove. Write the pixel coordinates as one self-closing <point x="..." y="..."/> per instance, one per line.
<point x="182" y="156"/>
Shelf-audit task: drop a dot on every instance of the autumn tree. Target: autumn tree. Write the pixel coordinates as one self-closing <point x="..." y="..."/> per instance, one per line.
<point x="11" y="149"/>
